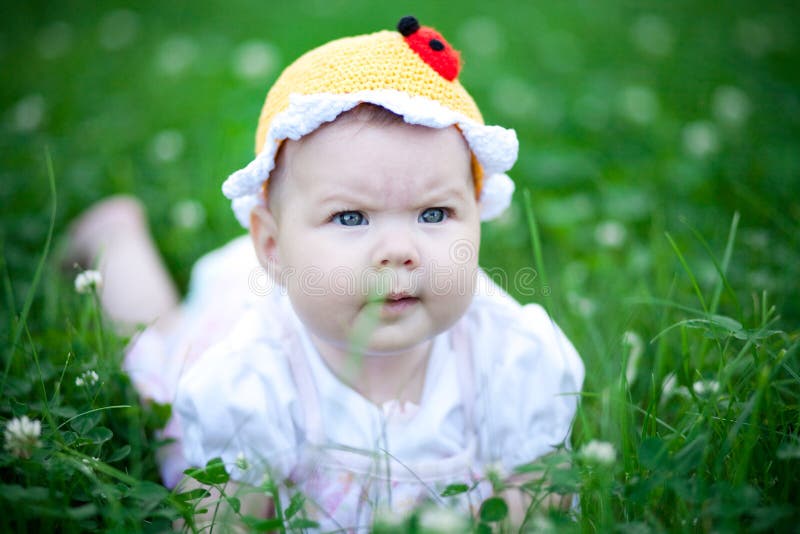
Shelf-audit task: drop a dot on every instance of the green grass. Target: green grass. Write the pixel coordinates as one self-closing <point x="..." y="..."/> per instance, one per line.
<point x="658" y="155"/>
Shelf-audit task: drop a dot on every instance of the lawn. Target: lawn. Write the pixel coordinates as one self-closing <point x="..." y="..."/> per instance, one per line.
<point x="657" y="203"/>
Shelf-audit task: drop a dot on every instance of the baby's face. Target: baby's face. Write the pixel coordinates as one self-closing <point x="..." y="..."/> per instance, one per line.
<point x="358" y="203"/>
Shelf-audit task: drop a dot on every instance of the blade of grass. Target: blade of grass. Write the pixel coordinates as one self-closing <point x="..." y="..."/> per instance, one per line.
<point x="722" y="268"/>
<point x="536" y="244"/>
<point x="93" y="411"/>
<point x="26" y="308"/>
<point x="688" y="271"/>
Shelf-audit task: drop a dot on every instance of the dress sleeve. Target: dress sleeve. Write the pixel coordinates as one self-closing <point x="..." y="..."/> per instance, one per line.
<point x="530" y="376"/>
<point x="240" y="405"/>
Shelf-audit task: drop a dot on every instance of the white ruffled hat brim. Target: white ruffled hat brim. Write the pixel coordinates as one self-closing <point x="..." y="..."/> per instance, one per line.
<point x="494" y="147"/>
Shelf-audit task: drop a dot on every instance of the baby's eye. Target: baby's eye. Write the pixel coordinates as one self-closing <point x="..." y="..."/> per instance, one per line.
<point x="433" y="215"/>
<point x="350" y="218"/>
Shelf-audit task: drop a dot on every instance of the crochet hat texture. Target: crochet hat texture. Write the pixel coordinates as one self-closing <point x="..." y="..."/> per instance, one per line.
<point x="412" y="72"/>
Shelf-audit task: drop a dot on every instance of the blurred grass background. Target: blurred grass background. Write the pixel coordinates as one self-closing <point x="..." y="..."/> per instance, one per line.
<point x="635" y="119"/>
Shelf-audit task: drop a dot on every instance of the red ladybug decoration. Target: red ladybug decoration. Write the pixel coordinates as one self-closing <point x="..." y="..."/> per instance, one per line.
<point x="431" y="47"/>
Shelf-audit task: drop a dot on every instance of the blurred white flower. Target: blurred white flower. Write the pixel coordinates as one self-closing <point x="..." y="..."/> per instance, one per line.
<point x="700" y="139"/>
<point x="442" y="520"/>
<point x="541" y="524"/>
<point x="583" y="306"/>
<point x="28" y="113"/>
<point x="176" y="54"/>
<point x="54" y="40"/>
<point x="87" y="378"/>
<point x="730" y="105"/>
<point x="118" y="29"/>
<point x="705" y="387"/>
<point x="88" y="281"/>
<point x="388" y="520"/>
<point x="167" y="145"/>
<point x="653" y="36"/>
<point x="255" y="60"/>
<point x="514" y="97"/>
<point x="481" y="36"/>
<point x="22" y="436"/>
<point x="599" y="452"/>
<point x="670" y="387"/>
<point x="188" y="214"/>
<point x="241" y="461"/>
<point x="757" y="238"/>
<point x="639" y="104"/>
<point x="634" y="342"/>
<point x="610" y="234"/>
<point x="497" y="469"/>
<point x="755" y="37"/>
<point x="761" y="279"/>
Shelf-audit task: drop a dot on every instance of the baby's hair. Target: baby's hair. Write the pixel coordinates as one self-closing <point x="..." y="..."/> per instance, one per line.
<point x="367" y="114"/>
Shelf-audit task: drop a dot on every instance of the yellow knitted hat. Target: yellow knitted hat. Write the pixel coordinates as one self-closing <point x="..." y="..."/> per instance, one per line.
<point x="411" y="72"/>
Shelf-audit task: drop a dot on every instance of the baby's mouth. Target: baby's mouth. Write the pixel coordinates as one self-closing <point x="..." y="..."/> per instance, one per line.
<point x="397" y="303"/>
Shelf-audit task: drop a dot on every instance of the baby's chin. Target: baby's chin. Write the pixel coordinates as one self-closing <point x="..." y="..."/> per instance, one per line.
<point x="384" y="341"/>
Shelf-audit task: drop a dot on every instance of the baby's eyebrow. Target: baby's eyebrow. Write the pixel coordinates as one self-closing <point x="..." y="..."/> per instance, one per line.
<point x="344" y="197"/>
<point x="448" y="194"/>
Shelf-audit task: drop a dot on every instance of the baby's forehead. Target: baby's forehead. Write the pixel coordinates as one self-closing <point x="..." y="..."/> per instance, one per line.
<point x="394" y="159"/>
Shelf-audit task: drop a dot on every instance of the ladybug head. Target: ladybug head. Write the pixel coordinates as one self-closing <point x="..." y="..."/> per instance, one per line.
<point x="431" y="47"/>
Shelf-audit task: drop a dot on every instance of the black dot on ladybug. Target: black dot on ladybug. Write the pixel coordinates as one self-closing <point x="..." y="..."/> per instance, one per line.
<point x="407" y="26"/>
<point x="436" y="45"/>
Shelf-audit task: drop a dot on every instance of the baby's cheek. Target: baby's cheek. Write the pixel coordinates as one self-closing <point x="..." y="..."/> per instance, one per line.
<point x="323" y="312"/>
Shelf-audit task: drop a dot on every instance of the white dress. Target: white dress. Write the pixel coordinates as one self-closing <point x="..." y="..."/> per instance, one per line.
<point x="500" y="390"/>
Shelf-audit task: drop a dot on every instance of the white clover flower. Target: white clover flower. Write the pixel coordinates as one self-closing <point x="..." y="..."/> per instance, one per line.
<point x="583" y="306"/>
<point x="88" y="281"/>
<point x="639" y="104"/>
<point x="167" y="145"/>
<point x="700" y="138"/>
<point x="670" y="387"/>
<point x="54" y="40"/>
<point x="388" y="519"/>
<point x="176" y="54"/>
<point x="705" y="387"/>
<point x="653" y="36"/>
<point x="118" y="29"/>
<point x="599" y="452"/>
<point x="241" y="462"/>
<point x="87" y="378"/>
<point x="497" y="469"/>
<point x="188" y="214"/>
<point x="541" y="524"/>
<point x="22" y="436"/>
<point x="610" y="234"/>
<point x="442" y="520"/>
<point x="730" y="105"/>
<point x="255" y="60"/>
<point x="634" y="341"/>
<point x="482" y="36"/>
<point x="29" y="113"/>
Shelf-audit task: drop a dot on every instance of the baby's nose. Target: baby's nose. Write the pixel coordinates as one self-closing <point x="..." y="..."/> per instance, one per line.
<point x="396" y="250"/>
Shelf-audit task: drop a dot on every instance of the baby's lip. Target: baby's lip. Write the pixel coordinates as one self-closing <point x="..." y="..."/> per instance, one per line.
<point x="399" y="295"/>
<point x="398" y="304"/>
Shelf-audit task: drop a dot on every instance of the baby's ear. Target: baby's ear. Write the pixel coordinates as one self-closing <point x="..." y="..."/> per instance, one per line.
<point x="264" y="231"/>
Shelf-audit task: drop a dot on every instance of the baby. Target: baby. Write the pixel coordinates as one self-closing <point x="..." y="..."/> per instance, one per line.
<point x="370" y="363"/>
